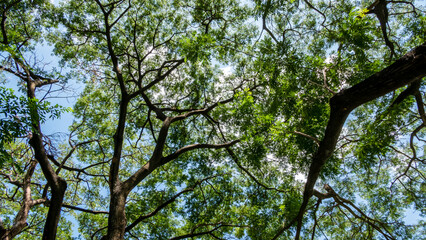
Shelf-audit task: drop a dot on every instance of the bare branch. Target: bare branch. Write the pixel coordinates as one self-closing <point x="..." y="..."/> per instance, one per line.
<point x="234" y="157"/>
<point x="317" y="142"/>
<point x="84" y="210"/>
<point x="192" y="234"/>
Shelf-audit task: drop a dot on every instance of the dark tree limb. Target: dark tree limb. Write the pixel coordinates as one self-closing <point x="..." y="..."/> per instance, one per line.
<point x="58" y="185"/>
<point x="420" y="106"/>
<point x="158" y="160"/>
<point x="191" y="147"/>
<point x="380" y="9"/>
<point x="194" y="234"/>
<point x="404" y="71"/>
<point x="83" y="209"/>
<point x="412" y="89"/>
<point x="3" y="20"/>
<point x="316" y="10"/>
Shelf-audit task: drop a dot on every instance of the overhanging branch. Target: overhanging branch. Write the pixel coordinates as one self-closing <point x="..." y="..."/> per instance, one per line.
<point x="406" y="70"/>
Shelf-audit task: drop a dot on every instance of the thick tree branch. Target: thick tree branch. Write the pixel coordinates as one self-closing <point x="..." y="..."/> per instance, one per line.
<point x="3" y="20"/>
<point x="412" y="89"/>
<point x="154" y="161"/>
<point x="159" y="113"/>
<point x="317" y="142"/>
<point x="406" y="70"/>
<point x="420" y="106"/>
<point x="57" y="184"/>
<point x="16" y="73"/>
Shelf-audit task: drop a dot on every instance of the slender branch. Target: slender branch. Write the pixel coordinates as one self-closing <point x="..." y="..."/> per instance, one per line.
<point x="122" y="14"/>
<point x="160" y="76"/>
<point x="191" y="235"/>
<point x="316" y="10"/>
<point x="317" y="142"/>
<point x="201" y="111"/>
<point x="187" y="148"/>
<point x="79" y="170"/>
<point x="11" y="180"/>
<point x="235" y="158"/>
<point x="165" y="204"/>
<point x="267" y="29"/>
<point x="84" y="210"/>
<point x="69" y="155"/>
<point x="16" y="73"/>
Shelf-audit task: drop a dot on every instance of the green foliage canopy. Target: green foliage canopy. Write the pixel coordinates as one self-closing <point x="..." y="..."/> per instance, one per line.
<point x="216" y="119"/>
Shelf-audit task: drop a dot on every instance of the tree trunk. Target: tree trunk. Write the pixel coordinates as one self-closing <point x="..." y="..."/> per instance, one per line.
<point x="117" y="215"/>
<point x="54" y="213"/>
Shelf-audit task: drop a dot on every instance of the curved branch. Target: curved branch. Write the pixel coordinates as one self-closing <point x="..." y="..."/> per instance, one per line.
<point x="200" y="111"/>
<point x="84" y="210"/>
<point x="191" y="235"/>
<point x="316" y="10"/>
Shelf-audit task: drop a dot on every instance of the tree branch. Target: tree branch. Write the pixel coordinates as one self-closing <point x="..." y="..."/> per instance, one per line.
<point x="192" y="234"/>
<point x="404" y="71"/>
<point x="234" y="157"/>
<point x="84" y="210"/>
